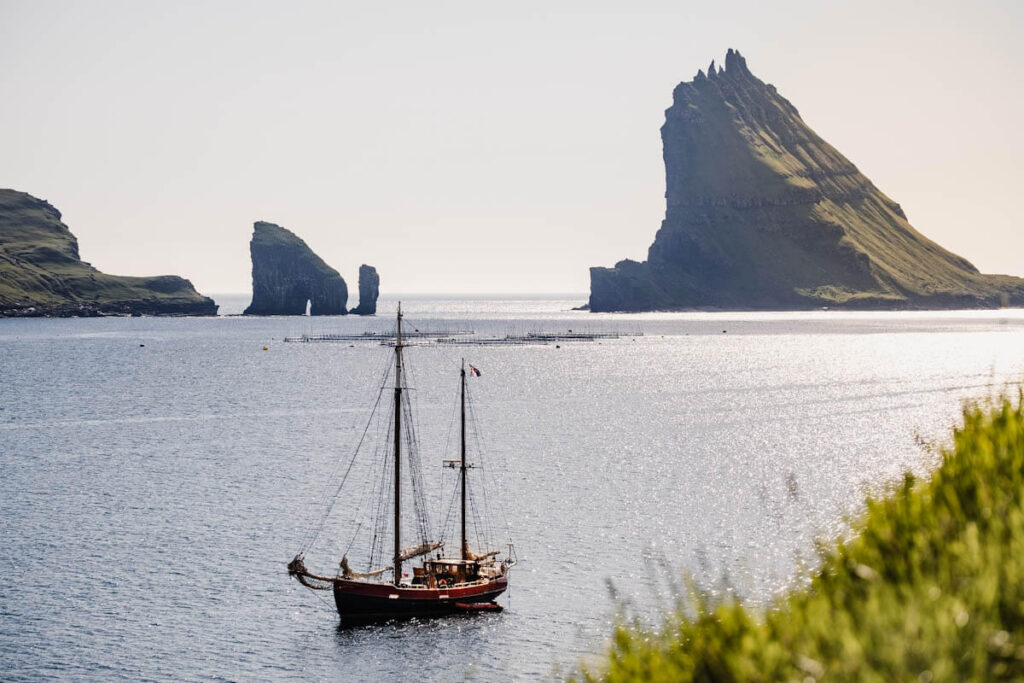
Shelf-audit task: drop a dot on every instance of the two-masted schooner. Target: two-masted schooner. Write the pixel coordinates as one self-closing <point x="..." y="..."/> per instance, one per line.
<point x="439" y="583"/>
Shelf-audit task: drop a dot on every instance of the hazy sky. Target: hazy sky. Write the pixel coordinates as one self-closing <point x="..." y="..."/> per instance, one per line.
<point x="474" y="146"/>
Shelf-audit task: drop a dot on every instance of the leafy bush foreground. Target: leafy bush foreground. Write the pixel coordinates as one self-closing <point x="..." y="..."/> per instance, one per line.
<point x="930" y="587"/>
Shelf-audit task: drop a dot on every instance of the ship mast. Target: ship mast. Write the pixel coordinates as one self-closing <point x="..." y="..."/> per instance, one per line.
<point x="462" y="472"/>
<point x="398" y="447"/>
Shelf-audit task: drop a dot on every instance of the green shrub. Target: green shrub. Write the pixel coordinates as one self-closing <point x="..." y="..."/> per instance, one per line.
<point x="931" y="587"/>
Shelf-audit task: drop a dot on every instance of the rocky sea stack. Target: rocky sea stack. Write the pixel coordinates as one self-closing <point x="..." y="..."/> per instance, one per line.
<point x="764" y="214"/>
<point x="369" y="290"/>
<point x="41" y="273"/>
<point x="286" y="275"/>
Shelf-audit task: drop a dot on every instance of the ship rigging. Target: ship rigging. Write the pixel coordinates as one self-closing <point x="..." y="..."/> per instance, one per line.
<point x="440" y="582"/>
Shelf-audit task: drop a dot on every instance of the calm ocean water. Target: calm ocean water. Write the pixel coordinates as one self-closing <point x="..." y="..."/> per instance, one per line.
<point x="158" y="474"/>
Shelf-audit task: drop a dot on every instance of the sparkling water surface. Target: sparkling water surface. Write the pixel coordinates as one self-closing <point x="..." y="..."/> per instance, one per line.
<point x="158" y="474"/>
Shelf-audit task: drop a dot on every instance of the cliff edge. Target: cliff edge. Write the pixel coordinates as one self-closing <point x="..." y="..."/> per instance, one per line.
<point x="762" y="213"/>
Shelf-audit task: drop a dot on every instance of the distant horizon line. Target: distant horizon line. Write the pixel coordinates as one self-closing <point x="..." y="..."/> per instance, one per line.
<point x="443" y="294"/>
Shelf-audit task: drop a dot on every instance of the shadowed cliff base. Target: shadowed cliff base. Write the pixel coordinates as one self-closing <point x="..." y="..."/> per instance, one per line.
<point x="761" y="213"/>
<point x="42" y="275"/>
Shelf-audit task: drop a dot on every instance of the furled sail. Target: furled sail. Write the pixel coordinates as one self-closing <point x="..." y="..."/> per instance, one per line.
<point x="478" y="558"/>
<point x="347" y="573"/>
<point x="417" y="550"/>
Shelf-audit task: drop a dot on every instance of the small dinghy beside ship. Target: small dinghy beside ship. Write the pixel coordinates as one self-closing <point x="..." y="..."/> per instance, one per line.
<point x="439" y="583"/>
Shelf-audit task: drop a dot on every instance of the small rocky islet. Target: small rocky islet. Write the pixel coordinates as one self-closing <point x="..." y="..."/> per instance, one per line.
<point x="287" y="275"/>
<point x="762" y="213"/>
<point x="369" y="290"/>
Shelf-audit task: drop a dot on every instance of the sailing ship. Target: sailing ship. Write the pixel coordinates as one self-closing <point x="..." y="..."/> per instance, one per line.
<point x="440" y="583"/>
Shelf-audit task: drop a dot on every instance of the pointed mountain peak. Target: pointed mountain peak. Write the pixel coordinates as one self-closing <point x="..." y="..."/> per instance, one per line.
<point x="738" y="159"/>
<point x="735" y="64"/>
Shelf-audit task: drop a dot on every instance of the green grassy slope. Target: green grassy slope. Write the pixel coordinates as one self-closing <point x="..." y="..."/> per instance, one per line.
<point x="930" y="588"/>
<point x="41" y="272"/>
<point x="763" y="213"/>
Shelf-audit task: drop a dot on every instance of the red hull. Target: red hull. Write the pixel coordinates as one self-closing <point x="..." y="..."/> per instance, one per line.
<point x="363" y="600"/>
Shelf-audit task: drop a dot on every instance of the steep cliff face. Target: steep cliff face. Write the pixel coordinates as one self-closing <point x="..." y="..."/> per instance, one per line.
<point x="286" y="274"/>
<point x="369" y="289"/>
<point x="762" y="213"/>
<point x="41" y="273"/>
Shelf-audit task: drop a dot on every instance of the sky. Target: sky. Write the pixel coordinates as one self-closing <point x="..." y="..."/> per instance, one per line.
<point x="473" y="147"/>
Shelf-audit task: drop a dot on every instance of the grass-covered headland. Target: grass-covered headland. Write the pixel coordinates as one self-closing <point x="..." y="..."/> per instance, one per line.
<point x="929" y="587"/>
<point x="42" y="274"/>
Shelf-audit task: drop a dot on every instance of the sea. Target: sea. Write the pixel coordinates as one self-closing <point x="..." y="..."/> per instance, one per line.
<point x="158" y="474"/>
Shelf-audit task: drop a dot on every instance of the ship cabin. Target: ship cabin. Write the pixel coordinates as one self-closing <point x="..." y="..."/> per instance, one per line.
<point x="442" y="573"/>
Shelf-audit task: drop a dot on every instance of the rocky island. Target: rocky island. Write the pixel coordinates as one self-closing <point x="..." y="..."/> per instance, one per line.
<point x="369" y="290"/>
<point x="42" y="275"/>
<point x="762" y="213"/>
<point x="286" y="275"/>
